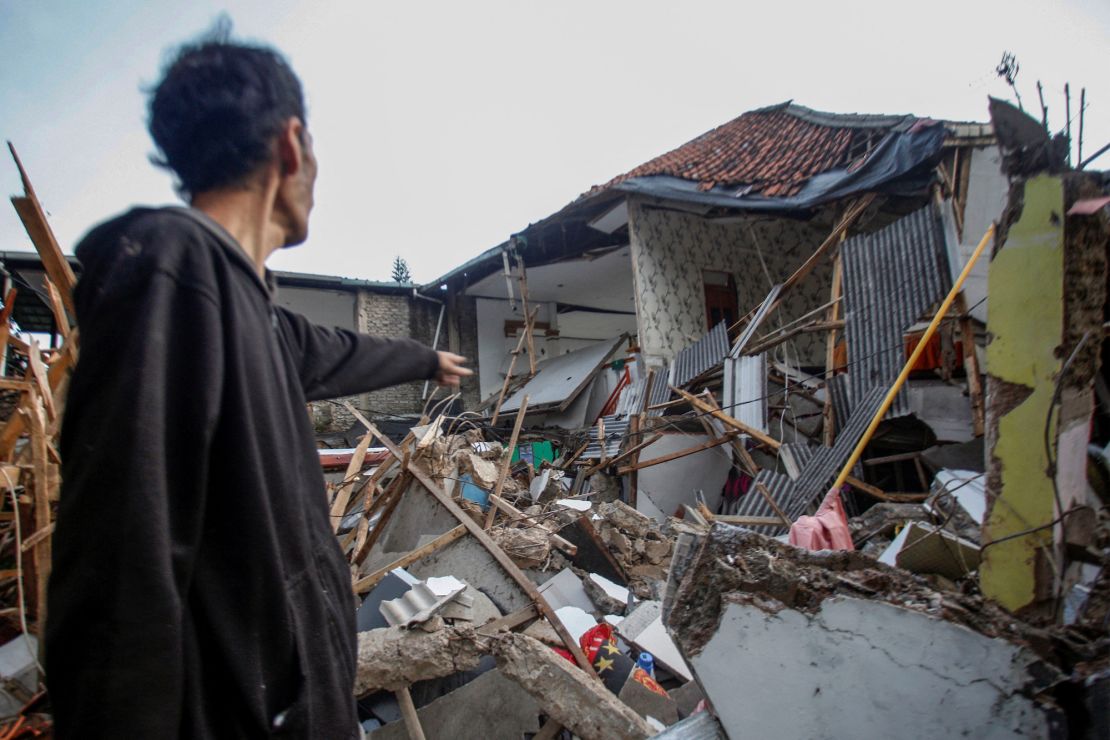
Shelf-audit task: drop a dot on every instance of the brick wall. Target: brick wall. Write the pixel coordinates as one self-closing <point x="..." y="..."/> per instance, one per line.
<point x="389" y="315"/>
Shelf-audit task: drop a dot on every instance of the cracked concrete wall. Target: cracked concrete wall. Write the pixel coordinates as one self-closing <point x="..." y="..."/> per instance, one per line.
<point x="861" y="668"/>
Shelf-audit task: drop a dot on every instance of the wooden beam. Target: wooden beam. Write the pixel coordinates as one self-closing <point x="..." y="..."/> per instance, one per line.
<point x="506" y="460"/>
<point x="529" y="318"/>
<point x="387" y="502"/>
<point x="42" y="236"/>
<point x="509" y="375"/>
<point x="510" y="621"/>
<point x="499" y="555"/>
<point x="408" y="712"/>
<point x="365" y="584"/>
<point x="343" y="494"/>
<point x="61" y="320"/>
<point x="710" y="444"/>
<point x="40" y="489"/>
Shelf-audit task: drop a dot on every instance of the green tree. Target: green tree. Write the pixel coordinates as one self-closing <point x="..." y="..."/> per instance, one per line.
<point x="401" y="270"/>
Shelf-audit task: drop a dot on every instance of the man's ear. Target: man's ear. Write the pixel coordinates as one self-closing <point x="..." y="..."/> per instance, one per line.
<point x="290" y="146"/>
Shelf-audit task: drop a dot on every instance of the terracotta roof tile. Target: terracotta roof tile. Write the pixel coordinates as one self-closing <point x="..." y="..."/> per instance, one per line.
<point x="773" y="151"/>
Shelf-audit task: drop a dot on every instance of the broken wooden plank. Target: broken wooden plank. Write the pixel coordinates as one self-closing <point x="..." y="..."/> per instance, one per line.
<point x="387" y="502"/>
<point x="512" y="366"/>
<point x="39" y="378"/>
<point x="506" y="459"/>
<point x="363" y="585"/>
<point x="42" y="236"/>
<point x="41" y="554"/>
<point x="510" y="621"/>
<point x="343" y="494"/>
<point x="408" y="712"/>
<point x="61" y="320"/>
<point x="529" y="318"/>
<point x="640" y="465"/>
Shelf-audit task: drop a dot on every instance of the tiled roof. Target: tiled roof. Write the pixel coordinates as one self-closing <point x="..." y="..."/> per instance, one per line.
<point x="772" y="151"/>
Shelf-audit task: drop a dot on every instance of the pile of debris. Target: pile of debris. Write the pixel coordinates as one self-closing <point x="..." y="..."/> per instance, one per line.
<point x="34" y="385"/>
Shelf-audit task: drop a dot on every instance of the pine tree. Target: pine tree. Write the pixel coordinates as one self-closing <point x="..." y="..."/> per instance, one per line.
<point x="401" y="270"/>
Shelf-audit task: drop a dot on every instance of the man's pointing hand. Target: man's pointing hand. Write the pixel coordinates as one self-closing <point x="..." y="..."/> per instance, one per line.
<point x="452" y="369"/>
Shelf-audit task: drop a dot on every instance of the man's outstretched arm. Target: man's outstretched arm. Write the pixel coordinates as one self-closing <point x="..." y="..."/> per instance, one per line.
<point x="336" y="362"/>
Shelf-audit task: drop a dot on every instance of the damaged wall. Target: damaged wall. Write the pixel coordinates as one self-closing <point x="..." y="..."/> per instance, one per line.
<point x="670" y="251"/>
<point x="1026" y="324"/>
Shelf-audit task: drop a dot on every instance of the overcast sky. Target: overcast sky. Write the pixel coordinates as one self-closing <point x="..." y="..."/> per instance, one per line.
<point x="441" y="128"/>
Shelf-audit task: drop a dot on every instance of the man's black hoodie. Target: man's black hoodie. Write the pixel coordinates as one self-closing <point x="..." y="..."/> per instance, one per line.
<point x="197" y="589"/>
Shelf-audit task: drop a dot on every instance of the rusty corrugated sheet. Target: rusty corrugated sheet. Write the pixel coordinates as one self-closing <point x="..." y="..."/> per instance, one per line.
<point x="892" y="278"/>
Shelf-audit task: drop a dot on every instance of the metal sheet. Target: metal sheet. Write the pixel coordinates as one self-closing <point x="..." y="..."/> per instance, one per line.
<point x="757" y="320"/>
<point x="839" y="388"/>
<point x="892" y="277"/>
<point x="562" y="378"/>
<point x="660" y="392"/>
<point x="753" y="503"/>
<point x="745" y="390"/>
<point x="632" y="398"/>
<point x="700" y="356"/>
<point x="615" y="429"/>
<point x="818" y="474"/>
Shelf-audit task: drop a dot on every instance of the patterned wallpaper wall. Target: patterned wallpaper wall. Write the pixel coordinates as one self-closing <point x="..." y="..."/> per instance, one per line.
<point x="670" y="249"/>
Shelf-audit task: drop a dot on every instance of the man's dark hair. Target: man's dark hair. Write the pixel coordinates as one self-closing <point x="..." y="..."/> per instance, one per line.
<point x="218" y="107"/>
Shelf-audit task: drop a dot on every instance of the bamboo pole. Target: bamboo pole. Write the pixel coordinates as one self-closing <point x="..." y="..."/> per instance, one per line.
<point x="910" y="363"/>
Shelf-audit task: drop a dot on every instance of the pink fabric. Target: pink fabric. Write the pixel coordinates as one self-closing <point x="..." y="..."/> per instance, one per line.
<point x="825" y="530"/>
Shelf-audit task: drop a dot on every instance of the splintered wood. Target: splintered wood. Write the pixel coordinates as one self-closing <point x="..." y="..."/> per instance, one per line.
<point x="29" y="459"/>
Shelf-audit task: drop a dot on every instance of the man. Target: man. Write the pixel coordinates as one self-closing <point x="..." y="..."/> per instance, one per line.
<point x="198" y="590"/>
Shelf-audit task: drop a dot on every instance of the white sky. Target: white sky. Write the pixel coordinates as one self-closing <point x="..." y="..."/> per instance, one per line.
<point x="442" y="127"/>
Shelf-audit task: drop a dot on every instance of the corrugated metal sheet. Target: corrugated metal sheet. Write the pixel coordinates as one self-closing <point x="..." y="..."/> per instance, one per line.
<point x="615" y="429"/>
<point x="892" y="277"/>
<point x="745" y="390"/>
<point x="839" y="388"/>
<point x="757" y="320"/>
<point x="819" y="473"/>
<point x="700" y="356"/>
<point x="632" y="398"/>
<point x="753" y="503"/>
<point x="795" y="457"/>
<point x="660" y="392"/>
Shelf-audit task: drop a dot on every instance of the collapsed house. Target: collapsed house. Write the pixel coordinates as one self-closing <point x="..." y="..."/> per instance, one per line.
<point x="756" y="455"/>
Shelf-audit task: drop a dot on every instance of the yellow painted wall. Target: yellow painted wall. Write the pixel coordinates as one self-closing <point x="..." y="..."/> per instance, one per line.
<point x="1026" y="284"/>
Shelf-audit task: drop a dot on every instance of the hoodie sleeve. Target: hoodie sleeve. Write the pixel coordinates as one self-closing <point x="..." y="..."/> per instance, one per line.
<point x="336" y="362"/>
<point x="142" y="408"/>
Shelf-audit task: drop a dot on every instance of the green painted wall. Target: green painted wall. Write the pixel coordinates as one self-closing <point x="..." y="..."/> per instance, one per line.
<point x="1026" y="284"/>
